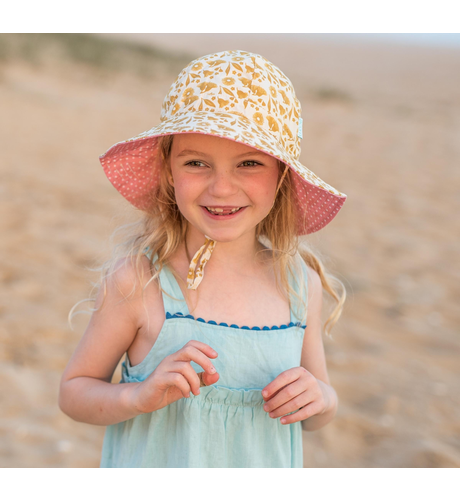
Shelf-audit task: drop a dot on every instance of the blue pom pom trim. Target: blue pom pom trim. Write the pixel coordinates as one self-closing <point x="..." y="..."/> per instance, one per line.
<point x="257" y="328"/>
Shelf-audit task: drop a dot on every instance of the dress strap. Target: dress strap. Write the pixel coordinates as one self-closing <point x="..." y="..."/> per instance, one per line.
<point x="173" y="298"/>
<point x="297" y="311"/>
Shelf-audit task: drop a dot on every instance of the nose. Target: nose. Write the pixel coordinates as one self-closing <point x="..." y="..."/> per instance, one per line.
<point x="222" y="184"/>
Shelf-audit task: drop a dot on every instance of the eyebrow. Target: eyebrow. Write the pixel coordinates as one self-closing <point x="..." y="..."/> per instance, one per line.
<point x="187" y="152"/>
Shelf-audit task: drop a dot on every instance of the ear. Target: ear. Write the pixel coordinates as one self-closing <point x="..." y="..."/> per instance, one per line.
<point x="170" y="179"/>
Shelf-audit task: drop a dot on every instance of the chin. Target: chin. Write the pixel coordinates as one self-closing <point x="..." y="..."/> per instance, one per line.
<point x="222" y="236"/>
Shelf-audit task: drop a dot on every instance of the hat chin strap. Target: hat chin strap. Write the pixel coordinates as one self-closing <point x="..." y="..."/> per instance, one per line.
<point x="200" y="259"/>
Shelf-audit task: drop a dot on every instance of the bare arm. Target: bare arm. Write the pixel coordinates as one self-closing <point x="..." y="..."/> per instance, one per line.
<point x="96" y="402"/>
<point x="313" y="357"/>
<point x="86" y="393"/>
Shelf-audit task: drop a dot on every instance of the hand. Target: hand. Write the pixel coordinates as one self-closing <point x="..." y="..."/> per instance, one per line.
<point x="295" y="389"/>
<point x="174" y="377"/>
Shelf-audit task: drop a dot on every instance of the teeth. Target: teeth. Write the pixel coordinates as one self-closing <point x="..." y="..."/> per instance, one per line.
<point x="220" y="210"/>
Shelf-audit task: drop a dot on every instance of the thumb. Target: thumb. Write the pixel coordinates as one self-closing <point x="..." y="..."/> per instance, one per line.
<point x="207" y="379"/>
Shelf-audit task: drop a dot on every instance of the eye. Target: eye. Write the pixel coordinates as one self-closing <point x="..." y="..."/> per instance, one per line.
<point x="195" y="163"/>
<point x="250" y="163"/>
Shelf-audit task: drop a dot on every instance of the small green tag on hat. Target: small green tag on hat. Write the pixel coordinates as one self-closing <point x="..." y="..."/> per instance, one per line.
<point x="299" y="132"/>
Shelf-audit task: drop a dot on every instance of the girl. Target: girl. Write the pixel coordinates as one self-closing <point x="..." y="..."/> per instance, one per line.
<point x="222" y="370"/>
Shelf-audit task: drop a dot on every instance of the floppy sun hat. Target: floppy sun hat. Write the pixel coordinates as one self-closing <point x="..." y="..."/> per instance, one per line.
<point x="235" y="95"/>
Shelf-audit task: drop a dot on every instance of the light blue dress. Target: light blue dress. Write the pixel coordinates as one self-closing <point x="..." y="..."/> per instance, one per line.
<point x="225" y="425"/>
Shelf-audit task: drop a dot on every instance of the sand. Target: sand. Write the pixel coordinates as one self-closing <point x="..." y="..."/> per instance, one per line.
<point x="381" y="124"/>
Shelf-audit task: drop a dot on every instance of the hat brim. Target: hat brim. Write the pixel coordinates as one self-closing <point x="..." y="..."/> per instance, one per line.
<point x="133" y="166"/>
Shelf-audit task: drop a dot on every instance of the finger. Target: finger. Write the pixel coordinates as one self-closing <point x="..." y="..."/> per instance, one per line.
<point x="274" y="394"/>
<point x="306" y="412"/>
<point x="186" y="370"/>
<point x="288" y="393"/>
<point x="178" y="380"/>
<point x="206" y="379"/>
<point x="282" y="380"/>
<point x="206" y="348"/>
<point x="191" y="353"/>
<point x="200" y="376"/>
<point x="293" y="405"/>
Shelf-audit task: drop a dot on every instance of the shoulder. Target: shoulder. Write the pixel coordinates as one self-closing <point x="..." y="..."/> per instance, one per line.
<point x="127" y="284"/>
<point x="127" y="279"/>
<point x="315" y="295"/>
<point x="314" y="280"/>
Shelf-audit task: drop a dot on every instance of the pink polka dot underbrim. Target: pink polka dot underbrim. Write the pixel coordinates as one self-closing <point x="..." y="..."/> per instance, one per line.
<point x="133" y="166"/>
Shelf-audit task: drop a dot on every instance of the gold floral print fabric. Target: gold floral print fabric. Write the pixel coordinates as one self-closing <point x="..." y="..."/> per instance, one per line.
<point x="238" y="83"/>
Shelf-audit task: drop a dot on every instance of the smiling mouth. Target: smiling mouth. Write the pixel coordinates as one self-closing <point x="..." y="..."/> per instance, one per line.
<point x="223" y="211"/>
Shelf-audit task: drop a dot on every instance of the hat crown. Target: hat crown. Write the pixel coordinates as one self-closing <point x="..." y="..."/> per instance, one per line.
<point x="240" y="83"/>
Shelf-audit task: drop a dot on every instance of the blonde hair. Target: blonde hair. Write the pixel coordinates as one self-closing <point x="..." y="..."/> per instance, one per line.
<point x="162" y="230"/>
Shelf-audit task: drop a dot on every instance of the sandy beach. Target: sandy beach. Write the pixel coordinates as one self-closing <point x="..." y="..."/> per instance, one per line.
<point x="381" y="124"/>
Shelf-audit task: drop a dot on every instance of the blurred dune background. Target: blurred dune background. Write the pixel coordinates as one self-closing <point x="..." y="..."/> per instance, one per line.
<point x="381" y="124"/>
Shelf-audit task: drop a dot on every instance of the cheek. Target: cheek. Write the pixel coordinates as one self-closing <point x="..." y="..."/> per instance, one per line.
<point x="182" y="196"/>
<point x="186" y="191"/>
<point x="263" y="190"/>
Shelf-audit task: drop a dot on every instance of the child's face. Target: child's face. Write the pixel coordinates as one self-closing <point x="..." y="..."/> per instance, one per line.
<point x="221" y="174"/>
